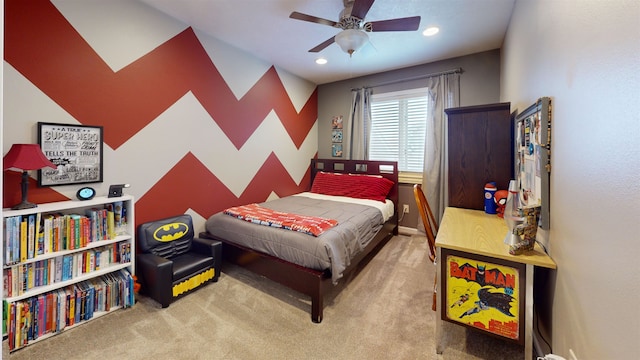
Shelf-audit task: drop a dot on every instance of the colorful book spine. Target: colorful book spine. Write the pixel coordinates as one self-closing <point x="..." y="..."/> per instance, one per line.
<point x="8" y="239"/>
<point x="23" y="240"/>
<point x="47" y="233"/>
<point x="5" y="316"/>
<point x="12" y="326"/>
<point x="39" y="235"/>
<point x="31" y="236"/>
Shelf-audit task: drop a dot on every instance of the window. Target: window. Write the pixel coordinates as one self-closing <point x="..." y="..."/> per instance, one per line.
<point x="398" y="127"/>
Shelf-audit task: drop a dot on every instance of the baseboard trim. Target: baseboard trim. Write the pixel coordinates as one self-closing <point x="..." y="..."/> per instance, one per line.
<point x="404" y="230"/>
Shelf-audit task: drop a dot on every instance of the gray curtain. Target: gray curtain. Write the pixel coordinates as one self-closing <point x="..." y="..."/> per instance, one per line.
<point x="360" y="124"/>
<point x="444" y="93"/>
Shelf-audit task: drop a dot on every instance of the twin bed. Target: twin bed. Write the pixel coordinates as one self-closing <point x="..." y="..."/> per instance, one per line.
<point x="309" y="241"/>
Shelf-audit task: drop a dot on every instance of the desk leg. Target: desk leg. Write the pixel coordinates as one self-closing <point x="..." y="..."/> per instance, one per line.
<point x="439" y="330"/>
<point x="528" y="321"/>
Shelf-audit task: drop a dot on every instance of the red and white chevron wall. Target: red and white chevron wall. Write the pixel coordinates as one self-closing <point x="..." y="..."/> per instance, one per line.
<point x="193" y="124"/>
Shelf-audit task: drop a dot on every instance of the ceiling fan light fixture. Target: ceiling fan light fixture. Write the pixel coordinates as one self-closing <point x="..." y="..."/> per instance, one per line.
<point x="321" y="61"/>
<point x="351" y="40"/>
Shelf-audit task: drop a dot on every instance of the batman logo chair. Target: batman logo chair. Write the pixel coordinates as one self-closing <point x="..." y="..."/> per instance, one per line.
<point x="172" y="262"/>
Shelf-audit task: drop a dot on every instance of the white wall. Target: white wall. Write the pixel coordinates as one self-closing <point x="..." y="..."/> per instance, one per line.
<point x="585" y="55"/>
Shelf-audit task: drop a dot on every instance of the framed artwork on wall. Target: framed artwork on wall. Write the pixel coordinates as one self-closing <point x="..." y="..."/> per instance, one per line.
<point x="336" y="122"/>
<point x="336" y="150"/>
<point x="484" y="293"/>
<point x="336" y="136"/>
<point x="75" y="149"/>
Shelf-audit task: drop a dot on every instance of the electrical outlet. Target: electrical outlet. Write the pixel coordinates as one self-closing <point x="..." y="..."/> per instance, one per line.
<point x="572" y="355"/>
<point x="405" y="208"/>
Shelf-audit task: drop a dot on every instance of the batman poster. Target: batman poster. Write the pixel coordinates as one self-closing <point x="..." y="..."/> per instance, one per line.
<point x="483" y="295"/>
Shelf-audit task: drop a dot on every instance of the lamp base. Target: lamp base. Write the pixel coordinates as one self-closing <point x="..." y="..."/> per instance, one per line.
<point x="512" y="239"/>
<point x="24" y="205"/>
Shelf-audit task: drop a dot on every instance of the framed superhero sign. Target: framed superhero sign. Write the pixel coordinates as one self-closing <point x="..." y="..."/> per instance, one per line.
<point x="484" y="293"/>
<point x="75" y="149"/>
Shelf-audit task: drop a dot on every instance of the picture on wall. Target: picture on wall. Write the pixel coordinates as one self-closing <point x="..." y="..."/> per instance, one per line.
<point x="336" y="150"/>
<point x="484" y="293"/>
<point x="336" y="122"/>
<point x="336" y="136"/>
<point x="75" y="149"/>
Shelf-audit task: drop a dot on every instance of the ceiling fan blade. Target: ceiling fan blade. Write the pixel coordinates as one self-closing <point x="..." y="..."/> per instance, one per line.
<point x="323" y="45"/>
<point x="400" y="24"/>
<point x="361" y="8"/>
<point x="310" y="18"/>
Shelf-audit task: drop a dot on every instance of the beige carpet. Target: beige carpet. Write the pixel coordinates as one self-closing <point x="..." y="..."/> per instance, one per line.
<point x="383" y="313"/>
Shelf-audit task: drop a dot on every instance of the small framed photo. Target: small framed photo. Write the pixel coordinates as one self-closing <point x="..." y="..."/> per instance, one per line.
<point x="336" y="136"/>
<point x="75" y="149"/>
<point x="336" y="122"/>
<point x="336" y="150"/>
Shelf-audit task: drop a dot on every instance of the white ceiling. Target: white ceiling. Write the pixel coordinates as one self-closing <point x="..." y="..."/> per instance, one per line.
<point x="264" y="29"/>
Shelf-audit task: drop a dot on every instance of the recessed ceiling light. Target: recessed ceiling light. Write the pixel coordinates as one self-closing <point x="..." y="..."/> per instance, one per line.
<point x="321" y="61"/>
<point x="430" y="31"/>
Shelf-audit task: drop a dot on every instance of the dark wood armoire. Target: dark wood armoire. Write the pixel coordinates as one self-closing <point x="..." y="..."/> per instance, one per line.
<point x="480" y="149"/>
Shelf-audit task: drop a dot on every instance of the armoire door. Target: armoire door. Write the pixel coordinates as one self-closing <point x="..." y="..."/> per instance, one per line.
<point x="480" y="149"/>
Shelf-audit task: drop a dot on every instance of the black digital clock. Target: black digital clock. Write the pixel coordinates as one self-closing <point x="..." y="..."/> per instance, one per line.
<point x="86" y="193"/>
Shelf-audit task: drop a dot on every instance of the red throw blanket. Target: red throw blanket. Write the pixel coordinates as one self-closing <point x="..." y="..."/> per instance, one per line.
<point x="257" y="214"/>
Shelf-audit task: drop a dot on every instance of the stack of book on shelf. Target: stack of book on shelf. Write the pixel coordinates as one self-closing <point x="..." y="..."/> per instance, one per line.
<point x="48" y="313"/>
<point x="27" y="236"/>
<point x="23" y="277"/>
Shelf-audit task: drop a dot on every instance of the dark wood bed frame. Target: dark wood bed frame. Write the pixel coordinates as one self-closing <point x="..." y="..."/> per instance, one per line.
<point x="315" y="283"/>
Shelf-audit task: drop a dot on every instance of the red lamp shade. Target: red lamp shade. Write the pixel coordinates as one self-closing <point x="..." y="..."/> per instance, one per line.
<point x="26" y="157"/>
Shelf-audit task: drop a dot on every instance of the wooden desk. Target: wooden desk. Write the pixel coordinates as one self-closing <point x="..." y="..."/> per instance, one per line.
<point x="475" y="265"/>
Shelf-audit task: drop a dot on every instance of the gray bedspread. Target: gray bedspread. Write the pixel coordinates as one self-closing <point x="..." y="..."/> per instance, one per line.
<point x="333" y="249"/>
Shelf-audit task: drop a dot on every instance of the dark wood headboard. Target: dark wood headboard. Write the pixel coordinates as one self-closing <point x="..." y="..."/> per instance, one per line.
<point x="387" y="169"/>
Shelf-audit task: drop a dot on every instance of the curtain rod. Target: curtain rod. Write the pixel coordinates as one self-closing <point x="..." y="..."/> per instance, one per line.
<point x="452" y="71"/>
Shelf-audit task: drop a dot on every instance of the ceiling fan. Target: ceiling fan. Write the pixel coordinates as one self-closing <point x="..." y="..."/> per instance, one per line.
<point x="353" y="35"/>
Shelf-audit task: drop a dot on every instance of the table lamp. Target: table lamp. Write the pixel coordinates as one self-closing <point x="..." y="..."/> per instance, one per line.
<point x="512" y="215"/>
<point x="26" y="157"/>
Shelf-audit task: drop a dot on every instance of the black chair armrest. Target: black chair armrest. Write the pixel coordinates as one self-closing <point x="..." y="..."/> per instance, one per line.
<point x="156" y="277"/>
<point x="204" y="246"/>
<point x="210" y="248"/>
